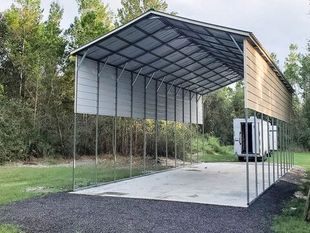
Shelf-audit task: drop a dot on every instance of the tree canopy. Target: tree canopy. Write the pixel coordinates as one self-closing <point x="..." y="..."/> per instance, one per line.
<point x="37" y="81"/>
<point x="133" y="8"/>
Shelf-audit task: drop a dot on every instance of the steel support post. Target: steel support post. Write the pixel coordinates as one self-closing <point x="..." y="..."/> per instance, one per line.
<point x="281" y="148"/>
<point x="287" y="150"/>
<point x="75" y="121"/>
<point x="263" y="151"/>
<point x="203" y="128"/>
<point x="197" y="130"/>
<point x="284" y="150"/>
<point x="268" y="151"/>
<point x="247" y="156"/>
<point x="183" y="134"/>
<point x="291" y="142"/>
<point x="144" y="127"/>
<point x="286" y="147"/>
<point x="115" y="123"/>
<point x="175" y="127"/>
<point x="289" y="145"/>
<point x="273" y="151"/>
<point x="255" y="150"/>
<point x="131" y="126"/>
<point x="190" y="126"/>
<point x="156" y="126"/>
<point x="278" y="148"/>
<point x="97" y="119"/>
<point x="166" y="139"/>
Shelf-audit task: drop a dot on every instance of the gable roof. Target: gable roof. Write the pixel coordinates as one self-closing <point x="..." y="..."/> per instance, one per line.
<point x="186" y="53"/>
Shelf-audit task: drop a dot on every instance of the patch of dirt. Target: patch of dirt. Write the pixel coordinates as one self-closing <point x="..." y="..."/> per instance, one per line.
<point x="295" y="176"/>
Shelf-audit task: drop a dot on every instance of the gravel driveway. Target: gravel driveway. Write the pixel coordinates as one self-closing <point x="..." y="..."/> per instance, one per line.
<point x="64" y="212"/>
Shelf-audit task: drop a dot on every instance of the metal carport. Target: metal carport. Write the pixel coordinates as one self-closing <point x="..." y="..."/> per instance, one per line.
<point x="159" y="66"/>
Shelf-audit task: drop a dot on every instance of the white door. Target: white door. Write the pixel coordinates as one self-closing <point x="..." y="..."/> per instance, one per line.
<point x="237" y="136"/>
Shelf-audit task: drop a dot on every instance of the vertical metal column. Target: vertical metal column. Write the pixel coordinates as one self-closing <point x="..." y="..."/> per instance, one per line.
<point x="166" y="139"/>
<point x="75" y="121"/>
<point x="287" y="150"/>
<point x="281" y="145"/>
<point x="115" y="123"/>
<point x="197" y="130"/>
<point x="156" y="125"/>
<point x="273" y="151"/>
<point x="291" y="140"/>
<point x="144" y="127"/>
<point x="278" y="147"/>
<point x="284" y="146"/>
<point x="289" y="144"/>
<point x="131" y="125"/>
<point x="287" y="147"/>
<point x="97" y="119"/>
<point x="255" y="150"/>
<point x="284" y="143"/>
<point x="263" y="151"/>
<point x="183" y="120"/>
<point x="247" y="156"/>
<point x="190" y="126"/>
<point x="175" y="127"/>
<point x="268" y="151"/>
<point x="203" y="128"/>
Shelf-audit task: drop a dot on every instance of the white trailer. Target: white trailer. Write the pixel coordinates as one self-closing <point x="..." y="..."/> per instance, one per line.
<point x="263" y="147"/>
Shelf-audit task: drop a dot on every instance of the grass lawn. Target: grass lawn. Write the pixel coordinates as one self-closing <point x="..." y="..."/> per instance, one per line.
<point x="8" y="228"/>
<point x="291" y="219"/>
<point x="211" y="151"/>
<point x="21" y="182"/>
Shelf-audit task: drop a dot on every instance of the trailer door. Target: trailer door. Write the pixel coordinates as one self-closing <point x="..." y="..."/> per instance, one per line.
<point x="243" y="138"/>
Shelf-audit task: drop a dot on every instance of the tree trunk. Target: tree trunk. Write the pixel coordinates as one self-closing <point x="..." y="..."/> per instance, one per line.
<point x="307" y="211"/>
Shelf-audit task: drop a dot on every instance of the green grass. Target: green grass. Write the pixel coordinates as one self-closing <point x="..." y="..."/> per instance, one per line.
<point x="291" y="218"/>
<point x="21" y="182"/>
<point x="303" y="159"/>
<point x="212" y="151"/>
<point x="9" y="228"/>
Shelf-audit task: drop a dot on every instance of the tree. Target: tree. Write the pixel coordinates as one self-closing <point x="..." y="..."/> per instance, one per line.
<point x="95" y="19"/>
<point x="292" y="66"/>
<point x="274" y="58"/>
<point x="134" y="8"/>
<point x="23" y="32"/>
<point x="305" y="73"/>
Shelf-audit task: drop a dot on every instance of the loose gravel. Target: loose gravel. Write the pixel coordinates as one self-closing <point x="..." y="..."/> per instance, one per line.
<point x="64" y="212"/>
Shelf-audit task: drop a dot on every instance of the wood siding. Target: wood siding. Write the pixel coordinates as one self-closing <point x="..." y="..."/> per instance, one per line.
<point x="263" y="90"/>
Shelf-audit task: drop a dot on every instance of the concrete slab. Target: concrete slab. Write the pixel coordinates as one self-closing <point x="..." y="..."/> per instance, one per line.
<point x="207" y="183"/>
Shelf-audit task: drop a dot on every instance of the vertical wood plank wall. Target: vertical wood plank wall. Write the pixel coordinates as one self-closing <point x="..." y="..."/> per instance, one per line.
<point x="264" y="91"/>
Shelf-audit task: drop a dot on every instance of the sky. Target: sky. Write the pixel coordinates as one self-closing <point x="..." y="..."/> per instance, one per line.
<point x="276" y="23"/>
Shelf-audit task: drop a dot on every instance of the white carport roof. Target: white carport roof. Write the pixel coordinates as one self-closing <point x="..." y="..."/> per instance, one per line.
<point x="188" y="54"/>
